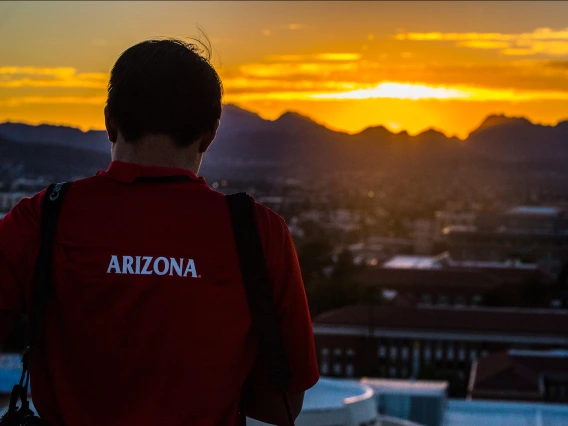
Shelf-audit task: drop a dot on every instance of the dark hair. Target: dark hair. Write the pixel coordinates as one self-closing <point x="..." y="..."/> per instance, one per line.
<point x="164" y="87"/>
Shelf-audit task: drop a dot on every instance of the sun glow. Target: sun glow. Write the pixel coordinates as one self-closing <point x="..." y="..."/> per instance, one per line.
<point x="389" y="90"/>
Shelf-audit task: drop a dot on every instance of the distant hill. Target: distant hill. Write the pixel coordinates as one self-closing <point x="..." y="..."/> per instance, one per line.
<point x="516" y="139"/>
<point x="56" y="135"/>
<point x="55" y="161"/>
<point x="295" y="142"/>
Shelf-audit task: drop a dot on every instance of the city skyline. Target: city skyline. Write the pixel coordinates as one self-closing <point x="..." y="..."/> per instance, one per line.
<point x="347" y="65"/>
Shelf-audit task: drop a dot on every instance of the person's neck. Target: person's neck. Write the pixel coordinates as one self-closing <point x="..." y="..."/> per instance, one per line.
<point x="157" y="151"/>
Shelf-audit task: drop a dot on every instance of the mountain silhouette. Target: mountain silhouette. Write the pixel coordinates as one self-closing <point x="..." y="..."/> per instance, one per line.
<point x="295" y="142"/>
<point x="516" y="139"/>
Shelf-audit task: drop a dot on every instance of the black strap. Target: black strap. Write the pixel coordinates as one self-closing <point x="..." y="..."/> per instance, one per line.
<point x="259" y="294"/>
<point x="41" y="285"/>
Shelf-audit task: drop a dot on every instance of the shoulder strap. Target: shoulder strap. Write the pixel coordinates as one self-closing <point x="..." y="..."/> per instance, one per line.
<point x="259" y="293"/>
<point x="41" y="284"/>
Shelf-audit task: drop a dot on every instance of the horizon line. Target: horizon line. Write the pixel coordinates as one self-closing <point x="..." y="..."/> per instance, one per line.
<point x="326" y="126"/>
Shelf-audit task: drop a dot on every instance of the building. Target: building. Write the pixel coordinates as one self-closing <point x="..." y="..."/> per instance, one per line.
<point x="532" y="234"/>
<point x="419" y="401"/>
<point x="446" y="218"/>
<point x="401" y="342"/>
<point x="504" y="413"/>
<point x="423" y="234"/>
<point x="521" y="375"/>
<point x="432" y="286"/>
<point x="336" y="403"/>
<point x="441" y="280"/>
<point x="375" y="250"/>
<point x="9" y="199"/>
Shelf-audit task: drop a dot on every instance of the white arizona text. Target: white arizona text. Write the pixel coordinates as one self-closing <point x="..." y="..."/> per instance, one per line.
<point x="147" y="265"/>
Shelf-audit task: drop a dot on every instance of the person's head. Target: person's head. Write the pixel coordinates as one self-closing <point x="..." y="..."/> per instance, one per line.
<point x="164" y="101"/>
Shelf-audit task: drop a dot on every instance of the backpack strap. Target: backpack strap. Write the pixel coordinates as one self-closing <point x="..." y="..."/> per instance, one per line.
<point x="42" y="285"/>
<point x="259" y="294"/>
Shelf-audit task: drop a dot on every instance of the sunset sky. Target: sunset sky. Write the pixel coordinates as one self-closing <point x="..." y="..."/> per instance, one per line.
<point x="348" y="65"/>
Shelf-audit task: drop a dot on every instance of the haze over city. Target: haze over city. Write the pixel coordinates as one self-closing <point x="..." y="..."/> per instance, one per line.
<point x="347" y="65"/>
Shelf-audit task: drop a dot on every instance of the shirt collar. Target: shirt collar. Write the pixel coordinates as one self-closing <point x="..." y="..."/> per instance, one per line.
<point x="129" y="172"/>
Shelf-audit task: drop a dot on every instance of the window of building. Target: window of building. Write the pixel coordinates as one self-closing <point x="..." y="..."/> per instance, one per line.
<point x="393" y="352"/>
<point x="476" y="299"/>
<point x="404" y="353"/>
<point x="337" y="351"/>
<point x="461" y="352"/>
<point x="439" y="351"/>
<point x="337" y="367"/>
<point x="562" y="391"/>
<point x="349" y="370"/>
<point x="416" y="350"/>
<point x="459" y="300"/>
<point x="451" y="351"/>
<point x="552" y="391"/>
<point x="382" y="351"/>
<point x="324" y="365"/>
<point x="426" y="298"/>
<point x="393" y="372"/>
<point x="427" y="351"/>
<point x="473" y="355"/>
<point x="443" y="299"/>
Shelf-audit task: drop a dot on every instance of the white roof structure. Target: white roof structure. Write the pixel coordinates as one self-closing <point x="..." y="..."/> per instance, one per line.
<point x="535" y="211"/>
<point x="501" y="413"/>
<point x="443" y="260"/>
<point x="412" y="262"/>
<point x="333" y="402"/>
<point x="406" y="387"/>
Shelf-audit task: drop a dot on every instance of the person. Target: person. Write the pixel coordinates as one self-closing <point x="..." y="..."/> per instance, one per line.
<point x="148" y="322"/>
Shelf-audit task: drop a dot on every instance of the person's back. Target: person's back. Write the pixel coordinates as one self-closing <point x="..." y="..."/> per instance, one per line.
<point x="149" y="322"/>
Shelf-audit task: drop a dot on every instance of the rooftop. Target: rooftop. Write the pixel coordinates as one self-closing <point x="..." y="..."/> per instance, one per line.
<point x="473" y="320"/>
<point x="412" y="262"/>
<point x="428" y="277"/>
<point x="443" y="260"/>
<point x="507" y="272"/>
<point x="332" y="394"/>
<point x="500" y="413"/>
<point x="517" y="374"/>
<point x="407" y="387"/>
<point x="535" y="211"/>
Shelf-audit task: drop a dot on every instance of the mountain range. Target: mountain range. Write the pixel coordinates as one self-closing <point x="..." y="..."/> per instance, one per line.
<point x="295" y="143"/>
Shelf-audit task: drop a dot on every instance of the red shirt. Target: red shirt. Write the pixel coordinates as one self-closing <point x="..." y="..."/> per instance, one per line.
<point x="149" y="322"/>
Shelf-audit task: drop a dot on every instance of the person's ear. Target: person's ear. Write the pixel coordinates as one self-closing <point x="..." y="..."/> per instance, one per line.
<point x="208" y="137"/>
<point x="112" y="130"/>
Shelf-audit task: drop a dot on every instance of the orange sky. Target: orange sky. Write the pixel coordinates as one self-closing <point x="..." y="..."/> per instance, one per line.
<point x="348" y="65"/>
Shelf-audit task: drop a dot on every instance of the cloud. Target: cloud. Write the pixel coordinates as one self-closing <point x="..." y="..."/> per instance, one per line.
<point x="290" y="69"/>
<point x="252" y="85"/>
<point x="340" y="57"/>
<point x="23" y="100"/>
<point x="540" y="41"/>
<point x="64" y="77"/>
<point x="407" y="91"/>
<point x="534" y="47"/>
<point x="484" y="44"/>
<point x="293" y="27"/>
<point x="538" y="34"/>
<point x="60" y="72"/>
